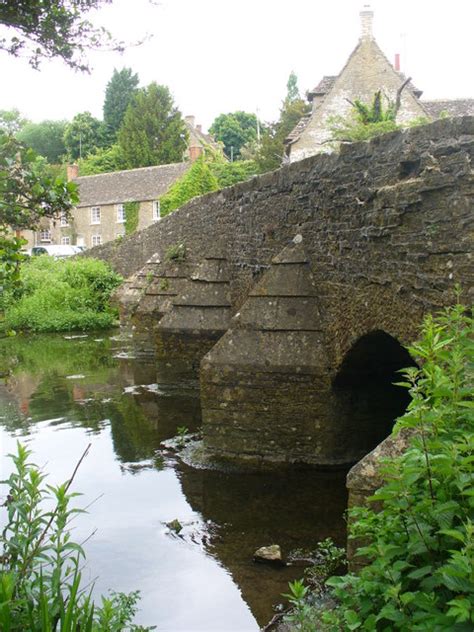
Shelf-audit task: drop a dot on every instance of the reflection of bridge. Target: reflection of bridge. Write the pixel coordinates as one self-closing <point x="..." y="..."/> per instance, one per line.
<point x="298" y="287"/>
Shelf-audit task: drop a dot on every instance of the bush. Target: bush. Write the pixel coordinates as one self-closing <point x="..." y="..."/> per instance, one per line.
<point x="420" y="571"/>
<point x="40" y="577"/>
<point x="198" y="180"/>
<point x="61" y="295"/>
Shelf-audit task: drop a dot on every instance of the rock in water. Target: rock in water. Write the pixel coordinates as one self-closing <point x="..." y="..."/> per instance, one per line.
<point x="269" y="555"/>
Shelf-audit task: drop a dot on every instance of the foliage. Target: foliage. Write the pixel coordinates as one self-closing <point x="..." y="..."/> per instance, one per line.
<point x="234" y="130"/>
<point x="131" y="217"/>
<point x="198" y="180"/>
<point x="102" y="161"/>
<point x="83" y="135"/>
<point x="27" y="194"/>
<point x="366" y="121"/>
<point x="52" y="28"/>
<point x="271" y="153"/>
<point x="420" y="551"/>
<point x="152" y="131"/>
<point x="176" y="252"/>
<point x="11" y="121"/>
<point x="118" y="94"/>
<point x="229" y="173"/>
<point x="45" y="138"/>
<point x="40" y="564"/>
<point x="61" y="295"/>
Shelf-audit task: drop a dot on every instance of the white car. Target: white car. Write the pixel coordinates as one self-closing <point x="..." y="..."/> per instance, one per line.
<point x="58" y="252"/>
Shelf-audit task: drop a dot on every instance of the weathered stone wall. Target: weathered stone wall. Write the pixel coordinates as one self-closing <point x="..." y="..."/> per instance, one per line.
<point x="327" y="265"/>
<point x="388" y="226"/>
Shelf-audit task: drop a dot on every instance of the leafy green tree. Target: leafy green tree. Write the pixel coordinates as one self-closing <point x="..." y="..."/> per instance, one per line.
<point x="118" y="94"/>
<point x="27" y="195"/>
<point x="83" y="135"/>
<point x="153" y="131"/>
<point x="102" y="161"/>
<point x="46" y="138"/>
<point x="11" y="121"/>
<point x="271" y="154"/>
<point x="234" y="130"/>
<point x="52" y="28"/>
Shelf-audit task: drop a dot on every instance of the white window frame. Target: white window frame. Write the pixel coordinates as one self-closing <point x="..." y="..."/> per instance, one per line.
<point x="95" y="215"/>
<point x="156" y="211"/>
<point x="63" y="221"/>
<point x="65" y="240"/>
<point x="45" y="235"/>
<point x="121" y="215"/>
<point x="96" y="240"/>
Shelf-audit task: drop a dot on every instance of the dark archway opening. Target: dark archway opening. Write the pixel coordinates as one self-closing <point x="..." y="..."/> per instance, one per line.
<point x="365" y="394"/>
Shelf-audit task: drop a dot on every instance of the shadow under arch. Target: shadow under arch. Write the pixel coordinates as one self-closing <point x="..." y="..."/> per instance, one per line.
<point x="365" y="396"/>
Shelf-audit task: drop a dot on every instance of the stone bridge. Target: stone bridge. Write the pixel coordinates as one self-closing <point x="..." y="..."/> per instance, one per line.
<point x="292" y="294"/>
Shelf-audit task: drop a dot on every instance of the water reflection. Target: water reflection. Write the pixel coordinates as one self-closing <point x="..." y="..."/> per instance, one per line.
<point x="60" y="393"/>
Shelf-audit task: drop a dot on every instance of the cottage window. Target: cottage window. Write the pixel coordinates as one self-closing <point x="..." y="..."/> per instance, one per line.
<point x="156" y="213"/>
<point x="45" y="235"/>
<point x="95" y="215"/>
<point x="96" y="240"/>
<point x="65" y="240"/>
<point x="120" y="213"/>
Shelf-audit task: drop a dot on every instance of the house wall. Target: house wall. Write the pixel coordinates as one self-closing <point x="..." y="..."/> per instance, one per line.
<point x="366" y="72"/>
<point x="81" y="230"/>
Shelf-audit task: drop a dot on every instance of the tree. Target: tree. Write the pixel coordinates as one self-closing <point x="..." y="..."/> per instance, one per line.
<point x="234" y="130"/>
<point x="53" y="28"/>
<point x="118" y="94"/>
<point x="26" y="196"/>
<point x="272" y="149"/>
<point x="153" y="131"/>
<point x="102" y="161"/>
<point x="83" y="135"/>
<point x="46" y="138"/>
<point x="11" y="121"/>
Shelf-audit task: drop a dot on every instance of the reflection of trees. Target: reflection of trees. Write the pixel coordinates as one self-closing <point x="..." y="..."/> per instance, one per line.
<point x="39" y="389"/>
<point x="293" y="508"/>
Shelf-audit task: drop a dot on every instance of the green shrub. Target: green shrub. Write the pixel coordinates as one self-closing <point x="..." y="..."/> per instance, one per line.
<point x="102" y="161"/>
<point x="40" y="565"/>
<point x="420" y="571"/>
<point x="61" y="296"/>
<point x="132" y="210"/>
<point x="229" y="173"/>
<point x="198" y="180"/>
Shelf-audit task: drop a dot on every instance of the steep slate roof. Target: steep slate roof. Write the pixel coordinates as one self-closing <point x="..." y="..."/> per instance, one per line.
<point x="454" y="107"/>
<point x="323" y="86"/>
<point x="298" y="129"/>
<point x="134" y="185"/>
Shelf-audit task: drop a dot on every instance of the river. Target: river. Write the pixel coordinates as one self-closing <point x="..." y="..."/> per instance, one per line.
<point x="63" y="391"/>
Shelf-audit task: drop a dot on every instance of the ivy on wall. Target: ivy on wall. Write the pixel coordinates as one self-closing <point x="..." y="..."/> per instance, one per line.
<point x="131" y="217"/>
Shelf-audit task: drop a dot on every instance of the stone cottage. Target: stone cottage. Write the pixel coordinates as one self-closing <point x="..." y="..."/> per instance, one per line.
<point x="366" y="71"/>
<point x="100" y="214"/>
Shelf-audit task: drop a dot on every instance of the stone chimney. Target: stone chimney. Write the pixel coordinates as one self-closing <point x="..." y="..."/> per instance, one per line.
<point x="72" y="172"/>
<point x="199" y="128"/>
<point x="367" y="19"/>
<point x="397" y="62"/>
<point x="190" y="120"/>
<point x="194" y="152"/>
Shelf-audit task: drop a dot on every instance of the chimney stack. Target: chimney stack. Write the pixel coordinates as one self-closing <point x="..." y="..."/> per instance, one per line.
<point x="367" y="18"/>
<point x="194" y="152"/>
<point x="397" y="62"/>
<point x="199" y="128"/>
<point x="190" y="120"/>
<point x="72" y="172"/>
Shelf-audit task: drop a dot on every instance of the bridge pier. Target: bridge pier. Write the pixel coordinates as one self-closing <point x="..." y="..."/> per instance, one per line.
<point x="198" y="316"/>
<point x="265" y="386"/>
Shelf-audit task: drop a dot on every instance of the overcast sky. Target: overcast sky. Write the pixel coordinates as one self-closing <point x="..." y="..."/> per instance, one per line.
<point x="224" y="55"/>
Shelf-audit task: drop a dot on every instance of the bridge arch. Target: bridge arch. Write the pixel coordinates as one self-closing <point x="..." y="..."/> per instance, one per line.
<point x="366" y="400"/>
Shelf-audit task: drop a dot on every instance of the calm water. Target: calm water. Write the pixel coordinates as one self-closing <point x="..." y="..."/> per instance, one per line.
<point x="63" y="392"/>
